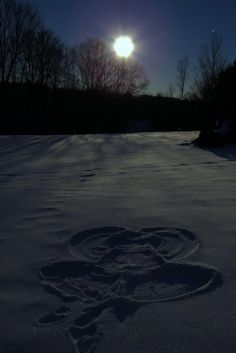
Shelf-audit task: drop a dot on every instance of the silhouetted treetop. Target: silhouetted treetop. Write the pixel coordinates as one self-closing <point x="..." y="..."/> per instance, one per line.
<point x="101" y="70"/>
<point x="211" y="62"/>
<point x="182" y="76"/>
<point x="18" y="24"/>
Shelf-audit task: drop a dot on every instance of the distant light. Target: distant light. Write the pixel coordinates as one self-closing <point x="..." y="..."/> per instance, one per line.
<point x="123" y="46"/>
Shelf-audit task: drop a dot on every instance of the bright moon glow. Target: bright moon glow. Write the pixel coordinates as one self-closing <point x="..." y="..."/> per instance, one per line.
<point x="123" y="46"/>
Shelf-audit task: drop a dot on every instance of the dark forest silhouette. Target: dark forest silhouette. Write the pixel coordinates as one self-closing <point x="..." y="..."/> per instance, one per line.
<point x="47" y="87"/>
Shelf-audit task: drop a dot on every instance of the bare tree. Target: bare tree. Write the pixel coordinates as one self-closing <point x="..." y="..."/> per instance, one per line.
<point x="49" y="51"/>
<point x="129" y="77"/>
<point x="170" y="91"/>
<point x="211" y="62"/>
<point x="18" y="22"/>
<point x="101" y="70"/>
<point x="42" y="59"/>
<point x="182" y="75"/>
<point x="69" y="72"/>
<point x="94" y="62"/>
<point x="28" y="51"/>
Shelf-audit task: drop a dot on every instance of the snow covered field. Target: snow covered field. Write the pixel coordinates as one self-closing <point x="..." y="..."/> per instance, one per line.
<point x="117" y="243"/>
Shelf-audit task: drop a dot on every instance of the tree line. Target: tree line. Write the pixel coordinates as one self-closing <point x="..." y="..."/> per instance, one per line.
<point x="33" y="54"/>
<point x="42" y="77"/>
<point x="210" y="63"/>
<point x="214" y="82"/>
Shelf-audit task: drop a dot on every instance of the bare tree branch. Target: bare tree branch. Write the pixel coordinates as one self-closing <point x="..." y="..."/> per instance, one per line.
<point x="211" y="62"/>
<point x="18" y="22"/>
<point x="182" y="75"/>
<point x="100" y="70"/>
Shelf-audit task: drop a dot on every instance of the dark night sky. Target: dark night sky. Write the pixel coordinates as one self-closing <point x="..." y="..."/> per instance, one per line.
<point x="164" y="30"/>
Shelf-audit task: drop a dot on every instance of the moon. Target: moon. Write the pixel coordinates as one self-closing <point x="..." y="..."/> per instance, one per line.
<point x="123" y="46"/>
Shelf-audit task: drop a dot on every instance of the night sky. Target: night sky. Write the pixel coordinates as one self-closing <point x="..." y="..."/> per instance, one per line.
<point x="164" y="31"/>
